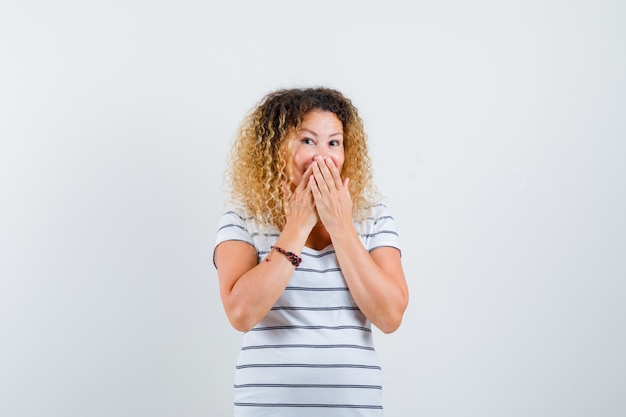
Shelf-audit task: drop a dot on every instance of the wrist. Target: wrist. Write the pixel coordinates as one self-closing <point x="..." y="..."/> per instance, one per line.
<point x="342" y="232"/>
<point x="298" y="228"/>
<point x="291" y="256"/>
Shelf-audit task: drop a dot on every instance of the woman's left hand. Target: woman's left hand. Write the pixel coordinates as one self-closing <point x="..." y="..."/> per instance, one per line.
<point x="331" y="194"/>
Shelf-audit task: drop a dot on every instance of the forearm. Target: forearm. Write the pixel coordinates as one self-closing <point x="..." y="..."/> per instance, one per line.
<point x="379" y="292"/>
<point x="254" y="294"/>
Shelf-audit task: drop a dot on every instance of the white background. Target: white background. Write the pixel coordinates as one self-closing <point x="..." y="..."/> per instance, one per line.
<point x="497" y="130"/>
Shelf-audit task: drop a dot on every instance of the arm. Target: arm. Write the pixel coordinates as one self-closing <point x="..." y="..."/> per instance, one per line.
<point x="376" y="280"/>
<point x="249" y="289"/>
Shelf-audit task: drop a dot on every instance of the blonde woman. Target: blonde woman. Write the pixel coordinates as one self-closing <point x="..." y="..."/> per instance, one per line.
<point x="307" y="260"/>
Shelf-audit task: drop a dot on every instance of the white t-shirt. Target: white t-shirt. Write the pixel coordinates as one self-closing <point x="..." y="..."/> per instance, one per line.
<point x="312" y="354"/>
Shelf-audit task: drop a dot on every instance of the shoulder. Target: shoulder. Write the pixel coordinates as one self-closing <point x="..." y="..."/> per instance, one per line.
<point x="235" y="224"/>
<point x="377" y="227"/>
<point x="235" y="217"/>
<point x="374" y="215"/>
<point x="238" y="224"/>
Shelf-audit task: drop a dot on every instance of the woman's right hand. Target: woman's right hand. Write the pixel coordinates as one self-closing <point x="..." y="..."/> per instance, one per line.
<point x="300" y="210"/>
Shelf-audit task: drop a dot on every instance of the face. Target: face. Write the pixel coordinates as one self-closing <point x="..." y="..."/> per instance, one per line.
<point x="320" y="134"/>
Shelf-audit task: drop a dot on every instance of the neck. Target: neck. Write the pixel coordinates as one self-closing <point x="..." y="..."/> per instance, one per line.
<point x="318" y="238"/>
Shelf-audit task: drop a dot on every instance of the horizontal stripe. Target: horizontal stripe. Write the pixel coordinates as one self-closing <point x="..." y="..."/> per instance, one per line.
<point x="303" y="346"/>
<point x="391" y="232"/>
<point x="304" y="254"/>
<point x="370" y="407"/>
<point x="318" y="271"/>
<point x="317" y="289"/>
<point x="382" y="218"/>
<point x="316" y="308"/>
<point x="308" y="386"/>
<point x="227" y="226"/>
<point x="255" y="234"/>
<point x="240" y="216"/>
<point x="260" y="329"/>
<point x="317" y="256"/>
<point x="308" y="365"/>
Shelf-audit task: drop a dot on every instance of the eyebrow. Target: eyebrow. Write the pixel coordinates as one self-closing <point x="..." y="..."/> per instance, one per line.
<point x="315" y="134"/>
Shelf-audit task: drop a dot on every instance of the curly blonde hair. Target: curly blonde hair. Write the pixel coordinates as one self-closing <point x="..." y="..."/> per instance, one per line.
<point x="257" y="168"/>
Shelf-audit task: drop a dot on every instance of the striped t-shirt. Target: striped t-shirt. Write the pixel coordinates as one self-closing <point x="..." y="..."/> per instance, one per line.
<point x="312" y="354"/>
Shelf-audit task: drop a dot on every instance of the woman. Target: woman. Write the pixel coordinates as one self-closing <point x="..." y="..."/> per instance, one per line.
<point x="306" y="260"/>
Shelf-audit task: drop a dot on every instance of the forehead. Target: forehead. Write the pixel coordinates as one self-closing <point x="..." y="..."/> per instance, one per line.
<point x="322" y="120"/>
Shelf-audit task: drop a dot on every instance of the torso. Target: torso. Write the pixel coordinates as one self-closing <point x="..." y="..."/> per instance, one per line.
<point x="313" y="354"/>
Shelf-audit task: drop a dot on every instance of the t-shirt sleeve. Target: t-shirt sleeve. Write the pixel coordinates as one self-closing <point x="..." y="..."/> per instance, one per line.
<point x="232" y="226"/>
<point x="384" y="233"/>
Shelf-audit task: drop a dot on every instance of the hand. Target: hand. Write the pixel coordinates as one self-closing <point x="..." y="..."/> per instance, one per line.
<point x="300" y="208"/>
<point x="331" y="194"/>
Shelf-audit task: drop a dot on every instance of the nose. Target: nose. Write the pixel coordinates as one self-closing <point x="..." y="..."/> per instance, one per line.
<point x="321" y="152"/>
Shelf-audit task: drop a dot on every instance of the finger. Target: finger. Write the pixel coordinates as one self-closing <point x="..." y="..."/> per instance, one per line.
<point x="313" y="186"/>
<point x="322" y="181"/>
<point x="334" y="171"/>
<point x="316" y="194"/>
<point x="304" y="180"/>
<point x="309" y="185"/>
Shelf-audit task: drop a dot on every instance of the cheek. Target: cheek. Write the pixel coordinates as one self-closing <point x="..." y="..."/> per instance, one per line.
<point x="299" y="163"/>
<point x="303" y="157"/>
<point x="339" y="160"/>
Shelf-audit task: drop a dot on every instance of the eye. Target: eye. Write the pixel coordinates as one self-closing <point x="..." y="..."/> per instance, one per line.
<point x="307" y="141"/>
<point x="334" y="143"/>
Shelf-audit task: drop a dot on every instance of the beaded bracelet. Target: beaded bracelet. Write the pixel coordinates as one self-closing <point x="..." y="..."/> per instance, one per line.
<point x="293" y="258"/>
